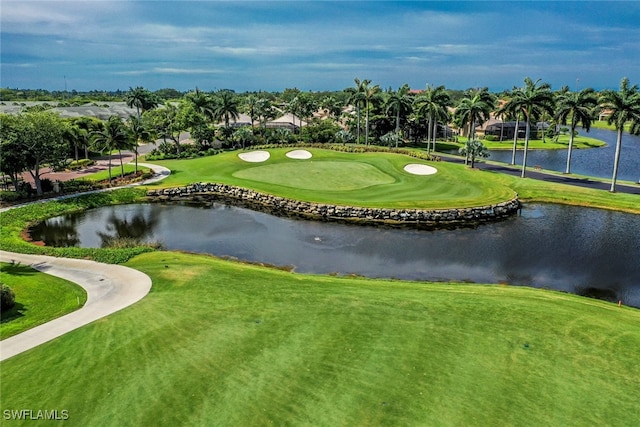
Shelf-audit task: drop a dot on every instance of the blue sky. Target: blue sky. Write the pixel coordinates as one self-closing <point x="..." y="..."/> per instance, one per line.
<point x="316" y="45"/>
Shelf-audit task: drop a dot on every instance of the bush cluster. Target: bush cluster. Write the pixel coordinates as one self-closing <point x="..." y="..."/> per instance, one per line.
<point x="80" y="164"/>
<point x="7" y="298"/>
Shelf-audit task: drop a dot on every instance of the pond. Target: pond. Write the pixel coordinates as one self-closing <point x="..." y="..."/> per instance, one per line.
<point x="597" y="162"/>
<point x="584" y="251"/>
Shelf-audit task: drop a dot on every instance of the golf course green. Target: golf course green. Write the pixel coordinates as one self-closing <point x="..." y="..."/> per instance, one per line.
<point x="224" y="343"/>
<point x="356" y="179"/>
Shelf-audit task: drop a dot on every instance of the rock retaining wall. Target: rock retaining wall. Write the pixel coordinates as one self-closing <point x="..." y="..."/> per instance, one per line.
<point x="418" y="218"/>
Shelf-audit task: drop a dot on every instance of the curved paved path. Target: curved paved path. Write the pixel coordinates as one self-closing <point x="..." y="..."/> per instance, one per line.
<point x="109" y="287"/>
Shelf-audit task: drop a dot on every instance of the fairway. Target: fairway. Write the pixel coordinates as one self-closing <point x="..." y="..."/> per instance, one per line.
<point x="222" y="343"/>
<point x="353" y="179"/>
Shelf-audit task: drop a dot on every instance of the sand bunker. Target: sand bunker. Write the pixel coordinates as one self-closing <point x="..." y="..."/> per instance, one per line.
<point x="299" y="154"/>
<point x="418" y="169"/>
<point x="255" y="156"/>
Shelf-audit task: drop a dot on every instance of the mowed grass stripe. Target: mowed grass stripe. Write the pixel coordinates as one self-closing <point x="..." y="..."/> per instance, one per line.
<point x="362" y="179"/>
<point x="232" y="344"/>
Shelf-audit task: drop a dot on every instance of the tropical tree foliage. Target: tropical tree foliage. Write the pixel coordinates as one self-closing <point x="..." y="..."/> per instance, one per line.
<point x="141" y="99"/>
<point x="575" y="108"/>
<point x="532" y="100"/>
<point x="623" y="107"/>
<point x="357" y="99"/>
<point x="432" y="105"/>
<point x="30" y="141"/>
<point x="472" y="149"/>
<point x="398" y="102"/>
<point x="114" y="136"/>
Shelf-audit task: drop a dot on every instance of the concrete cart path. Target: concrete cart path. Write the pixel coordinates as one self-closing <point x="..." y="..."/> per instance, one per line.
<point x="109" y="288"/>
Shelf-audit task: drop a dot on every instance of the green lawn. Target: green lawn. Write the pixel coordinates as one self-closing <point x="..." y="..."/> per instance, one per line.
<point x="39" y="298"/>
<point x="363" y="179"/>
<point x="115" y="172"/>
<point x="579" y="142"/>
<point x="222" y="343"/>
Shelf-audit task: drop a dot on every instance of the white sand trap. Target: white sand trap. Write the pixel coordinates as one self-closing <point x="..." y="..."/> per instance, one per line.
<point x="255" y="156"/>
<point x="418" y="169"/>
<point x="299" y="154"/>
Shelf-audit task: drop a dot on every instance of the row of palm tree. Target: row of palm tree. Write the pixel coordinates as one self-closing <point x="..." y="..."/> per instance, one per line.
<point x="530" y="103"/>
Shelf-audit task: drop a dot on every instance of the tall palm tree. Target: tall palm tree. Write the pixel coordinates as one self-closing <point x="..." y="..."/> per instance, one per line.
<point x="432" y="104"/>
<point x="251" y="107"/>
<point x="474" y="110"/>
<point x="511" y="111"/>
<point x="371" y="97"/>
<point x="575" y="107"/>
<point x="142" y="99"/>
<point x="76" y="136"/>
<point x="227" y="107"/>
<point x="532" y="100"/>
<point x="357" y="99"/>
<point x="624" y="106"/>
<point x="399" y="102"/>
<point x="139" y="134"/>
<point x="114" y="136"/>
<point x="202" y="103"/>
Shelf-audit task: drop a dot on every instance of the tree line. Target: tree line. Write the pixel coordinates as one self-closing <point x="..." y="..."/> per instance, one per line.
<point x="364" y="113"/>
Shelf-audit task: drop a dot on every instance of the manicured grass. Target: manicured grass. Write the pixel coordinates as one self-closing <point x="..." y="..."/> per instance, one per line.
<point x="115" y="172"/>
<point x="363" y="179"/>
<point x="39" y="298"/>
<point x="579" y="142"/>
<point x="221" y="343"/>
<point x="602" y="124"/>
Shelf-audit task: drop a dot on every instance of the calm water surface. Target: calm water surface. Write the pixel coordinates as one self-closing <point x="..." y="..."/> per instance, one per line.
<point x="585" y="251"/>
<point x="596" y="162"/>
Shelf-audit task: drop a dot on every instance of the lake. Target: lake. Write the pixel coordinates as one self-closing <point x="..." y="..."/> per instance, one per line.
<point x="584" y="251"/>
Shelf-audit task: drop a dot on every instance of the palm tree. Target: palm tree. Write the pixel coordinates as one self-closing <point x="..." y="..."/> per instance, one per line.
<point x="432" y="104"/>
<point x="532" y="100"/>
<point x="227" y="107"/>
<point x="251" y="103"/>
<point x="576" y="107"/>
<point x="243" y="135"/>
<point x="472" y="149"/>
<point x="142" y="99"/>
<point x="76" y="136"/>
<point x="510" y="110"/>
<point x="357" y="99"/>
<point x="371" y="96"/>
<point x="202" y="103"/>
<point x="400" y="102"/>
<point x="624" y="106"/>
<point x="113" y="136"/>
<point x="474" y="110"/>
<point x="139" y="134"/>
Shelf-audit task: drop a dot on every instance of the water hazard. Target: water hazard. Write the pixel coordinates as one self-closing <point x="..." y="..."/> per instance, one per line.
<point x="584" y="251"/>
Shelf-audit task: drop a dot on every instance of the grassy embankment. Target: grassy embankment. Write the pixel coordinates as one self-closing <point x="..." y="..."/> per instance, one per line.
<point x="39" y="298"/>
<point x="223" y="343"/>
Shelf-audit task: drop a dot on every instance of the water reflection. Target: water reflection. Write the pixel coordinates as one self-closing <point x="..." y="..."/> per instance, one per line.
<point x="585" y="251"/>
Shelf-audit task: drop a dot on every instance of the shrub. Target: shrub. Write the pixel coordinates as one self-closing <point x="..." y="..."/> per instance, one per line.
<point x="490" y="138"/>
<point x="10" y="196"/>
<point x="80" y="164"/>
<point x="7" y="298"/>
<point x="47" y="185"/>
